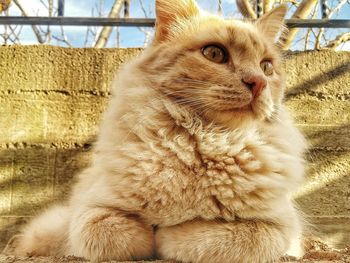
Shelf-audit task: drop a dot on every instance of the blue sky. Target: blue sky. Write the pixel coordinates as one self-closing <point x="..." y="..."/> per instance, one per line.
<point x="128" y="37"/>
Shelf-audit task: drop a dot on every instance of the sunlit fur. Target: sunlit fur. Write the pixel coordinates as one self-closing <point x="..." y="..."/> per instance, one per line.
<point x="188" y="165"/>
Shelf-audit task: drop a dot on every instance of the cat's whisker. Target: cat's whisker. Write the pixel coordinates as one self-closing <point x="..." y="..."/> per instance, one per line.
<point x="193" y="80"/>
<point x="208" y="106"/>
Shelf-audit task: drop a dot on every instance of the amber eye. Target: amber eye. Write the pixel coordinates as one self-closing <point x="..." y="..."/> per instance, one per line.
<point x="267" y="67"/>
<point x="215" y="53"/>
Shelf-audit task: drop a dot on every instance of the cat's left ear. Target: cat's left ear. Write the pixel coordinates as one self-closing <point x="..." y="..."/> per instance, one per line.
<point x="272" y="24"/>
<point x="170" y="12"/>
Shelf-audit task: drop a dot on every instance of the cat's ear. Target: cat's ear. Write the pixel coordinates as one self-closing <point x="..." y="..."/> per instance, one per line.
<point x="272" y="24"/>
<point x="168" y="12"/>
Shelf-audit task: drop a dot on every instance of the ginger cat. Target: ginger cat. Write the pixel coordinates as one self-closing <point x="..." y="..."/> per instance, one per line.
<point x="196" y="158"/>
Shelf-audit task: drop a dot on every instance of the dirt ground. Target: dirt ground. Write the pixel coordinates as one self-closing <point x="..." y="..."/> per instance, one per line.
<point x="314" y="258"/>
<point x="317" y="252"/>
<point x="13" y="259"/>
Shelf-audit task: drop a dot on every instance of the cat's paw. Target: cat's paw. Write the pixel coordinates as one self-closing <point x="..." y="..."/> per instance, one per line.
<point x="45" y="235"/>
<point x="296" y="249"/>
<point x="202" y="241"/>
<point x="102" y="235"/>
<point x="12" y="246"/>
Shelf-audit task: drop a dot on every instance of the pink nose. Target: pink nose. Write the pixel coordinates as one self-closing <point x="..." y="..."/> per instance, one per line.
<point x="256" y="83"/>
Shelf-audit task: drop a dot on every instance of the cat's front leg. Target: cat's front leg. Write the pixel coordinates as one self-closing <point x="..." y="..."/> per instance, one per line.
<point x="102" y="234"/>
<point x="45" y="235"/>
<point x="219" y="241"/>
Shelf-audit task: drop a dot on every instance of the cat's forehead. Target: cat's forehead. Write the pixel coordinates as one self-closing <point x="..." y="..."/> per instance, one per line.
<point x="244" y="38"/>
<point x="233" y="34"/>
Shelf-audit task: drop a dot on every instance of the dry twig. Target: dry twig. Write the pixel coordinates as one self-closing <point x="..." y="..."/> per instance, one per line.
<point x="35" y="29"/>
<point x="246" y="9"/>
<point x="267" y="5"/>
<point x="106" y="31"/>
<point x="302" y="12"/>
<point x="340" y="39"/>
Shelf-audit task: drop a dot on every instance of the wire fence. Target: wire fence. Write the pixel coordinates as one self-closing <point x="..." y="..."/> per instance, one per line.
<point x="60" y="20"/>
<point x="148" y="22"/>
<point x="311" y="24"/>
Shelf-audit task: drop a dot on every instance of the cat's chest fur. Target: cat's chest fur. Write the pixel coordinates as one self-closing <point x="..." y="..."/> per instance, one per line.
<point x="208" y="173"/>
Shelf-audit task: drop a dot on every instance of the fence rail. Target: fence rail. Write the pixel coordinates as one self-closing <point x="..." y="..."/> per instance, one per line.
<point x="147" y="22"/>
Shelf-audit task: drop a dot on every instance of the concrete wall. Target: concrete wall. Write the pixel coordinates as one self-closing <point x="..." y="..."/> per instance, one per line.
<point x="51" y="100"/>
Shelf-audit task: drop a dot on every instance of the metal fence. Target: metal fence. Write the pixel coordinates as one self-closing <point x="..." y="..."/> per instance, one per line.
<point x="60" y="20"/>
<point x="147" y="22"/>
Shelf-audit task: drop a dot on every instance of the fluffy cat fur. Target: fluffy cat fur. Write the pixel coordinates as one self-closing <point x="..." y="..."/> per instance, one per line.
<point x="190" y="163"/>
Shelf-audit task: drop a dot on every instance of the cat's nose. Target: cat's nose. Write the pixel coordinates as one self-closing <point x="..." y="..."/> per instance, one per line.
<point x="256" y="83"/>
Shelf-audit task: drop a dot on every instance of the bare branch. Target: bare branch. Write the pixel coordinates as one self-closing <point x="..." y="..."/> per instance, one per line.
<point x="293" y="2"/>
<point x="220" y="6"/>
<point x="91" y="30"/>
<point x="48" y="31"/>
<point x="35" y="29"/>
<point x="14" y="36"/>
<point x="310" y="30"/>
<point x="337" y="8"/>
<point x="143" y="8"/>
<point x="147" y="32"/>
<point x="10" y="34"/>
<point x="267" y="5"/>
<point x="126" y="8"/>
<point x="106" y="31"/>
<point x="148" y="35"/>
<point x="63" y="40"/>
<point x="117" y="40"/>
<point x="321" y="31"/>
<point x="5" y="36"/>
<point x="64" y="37"/>
<point x="302" y="12"/>
<point x="319" y="38"/>
<point x="320" y="34"/>
<point x="307" y="38"/>
<point x="44" y="4"/>
<point x="246" y="9"/>
<point x="340" y="39"/>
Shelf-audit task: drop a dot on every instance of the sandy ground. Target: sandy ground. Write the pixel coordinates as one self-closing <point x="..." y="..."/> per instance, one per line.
<point x="319" y="257"/>
<point x="13" y="259"/>
<point x="320" y="254"/>
<point x="316" y="251"/>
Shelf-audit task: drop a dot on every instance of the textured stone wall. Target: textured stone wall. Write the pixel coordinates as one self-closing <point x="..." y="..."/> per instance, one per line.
<point x="51" y="100"/>
<point x="319" y="98"/>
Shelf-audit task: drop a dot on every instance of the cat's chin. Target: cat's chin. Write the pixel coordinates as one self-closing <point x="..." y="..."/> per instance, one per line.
<point x="257" y="110"/>
<point x="262" y="107"/>
<point x="233" y="118"/>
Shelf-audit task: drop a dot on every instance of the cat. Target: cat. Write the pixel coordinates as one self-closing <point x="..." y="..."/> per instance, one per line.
<point x="196" y="158"/>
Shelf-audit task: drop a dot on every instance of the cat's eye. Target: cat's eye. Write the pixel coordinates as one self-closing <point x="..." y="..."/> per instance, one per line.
<point x="215" y="53"/>
<point x="267" y="67"/>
